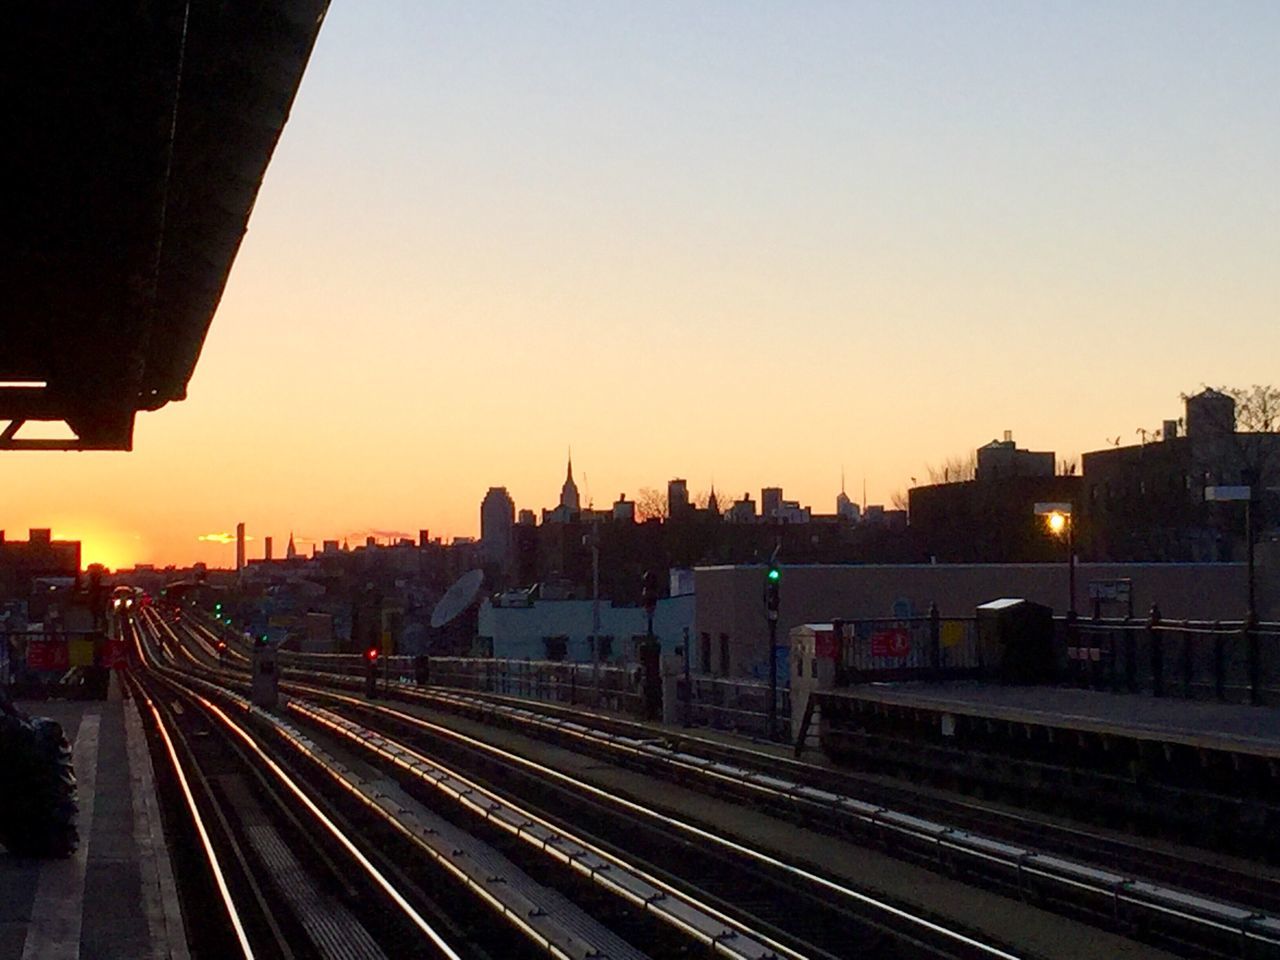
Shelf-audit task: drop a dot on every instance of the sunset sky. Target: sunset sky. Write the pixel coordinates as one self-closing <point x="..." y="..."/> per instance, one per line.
<point x="741" y="243"/>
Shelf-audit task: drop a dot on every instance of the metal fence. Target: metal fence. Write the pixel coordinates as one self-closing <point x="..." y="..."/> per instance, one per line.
<point x="1230" y="661"/>
<point x="614" y="687"/>
<point x="64" y="663"/>
<point x="726" y="704"/>
<point x="703" y="700"/>
<point x="907" y="648"/>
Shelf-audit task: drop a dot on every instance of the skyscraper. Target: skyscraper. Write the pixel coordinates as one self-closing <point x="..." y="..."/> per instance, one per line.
<point x="569" y="492"/>
<point x="677" y="499"/>
<point x="239" y="547"/>
<point x="497" y="517"/>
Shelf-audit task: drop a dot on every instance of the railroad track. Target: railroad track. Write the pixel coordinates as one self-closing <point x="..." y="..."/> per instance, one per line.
<point x="402" y="855"/>
<point x="281" y="884"/>
<point x="690" y="915"/>
<point x="1077" y="871"/>
<point x="658" y="748"/>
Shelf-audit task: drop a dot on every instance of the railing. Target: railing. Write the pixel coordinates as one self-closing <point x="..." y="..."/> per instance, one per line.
<point x="726" y="704"/>
<point x="908" y="648"/>
<point x="1230" y="661"/>
<point x="599" y="686"/>
<point x="63" y="663"/>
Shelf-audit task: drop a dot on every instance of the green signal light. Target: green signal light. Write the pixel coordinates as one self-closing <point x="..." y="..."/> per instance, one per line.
<point x="775" y="575"/>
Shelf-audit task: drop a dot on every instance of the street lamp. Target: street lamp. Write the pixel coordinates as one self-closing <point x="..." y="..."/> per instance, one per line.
<point x="1058" y="521"/>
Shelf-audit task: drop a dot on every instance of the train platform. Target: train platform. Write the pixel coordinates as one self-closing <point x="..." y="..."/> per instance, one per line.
<point x="1224" y="727"/>
<point x="116" y="896"/>
<point x="1204" y="773"/>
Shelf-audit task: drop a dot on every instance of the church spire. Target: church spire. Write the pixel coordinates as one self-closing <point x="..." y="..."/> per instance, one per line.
<point x="291" y="552"/>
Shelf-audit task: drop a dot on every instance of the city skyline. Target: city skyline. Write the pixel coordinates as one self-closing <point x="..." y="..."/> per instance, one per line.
<point x="747" y="245"/>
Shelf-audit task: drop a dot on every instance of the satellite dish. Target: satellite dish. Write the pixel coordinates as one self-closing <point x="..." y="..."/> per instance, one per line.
<point x="457" y="598"/>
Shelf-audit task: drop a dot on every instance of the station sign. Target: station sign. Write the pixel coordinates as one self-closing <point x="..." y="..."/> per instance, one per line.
<point x="1111" y="591"/>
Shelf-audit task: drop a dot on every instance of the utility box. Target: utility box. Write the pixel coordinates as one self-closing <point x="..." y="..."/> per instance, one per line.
<point x="266" y="679"/>
<point x="815" y="650"/>
<point x="1015" y="640"/>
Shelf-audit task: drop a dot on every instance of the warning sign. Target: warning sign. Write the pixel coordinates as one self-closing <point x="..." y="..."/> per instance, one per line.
<point x="895" y="642"/>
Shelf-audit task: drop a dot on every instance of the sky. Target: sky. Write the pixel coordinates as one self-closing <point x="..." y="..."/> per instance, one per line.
<point x="745" y="243"/>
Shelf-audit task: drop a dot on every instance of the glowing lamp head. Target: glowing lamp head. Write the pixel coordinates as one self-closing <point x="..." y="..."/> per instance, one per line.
<point x="1056" y="522"/>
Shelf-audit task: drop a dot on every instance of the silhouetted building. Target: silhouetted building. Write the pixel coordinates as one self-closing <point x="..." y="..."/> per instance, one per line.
<point x="678" y="506"/>
<point x="239" y="547"/>
<point x="624" y="510"/>
<point x="497" y="517"/>
<point x="742" y="511"/>
<point x="570" y="505"/>
<point x="991" y="521"/>
<point x="1001" y="459"/>
<point x="23" y="562"/>
<point x="1146" y="501"/>
<point x="266" y="549"/>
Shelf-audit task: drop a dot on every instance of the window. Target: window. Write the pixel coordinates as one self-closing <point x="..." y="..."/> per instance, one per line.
<point x="724" y="654"/>
<point x="704" y="660"/>
<point x="557" y="647"/>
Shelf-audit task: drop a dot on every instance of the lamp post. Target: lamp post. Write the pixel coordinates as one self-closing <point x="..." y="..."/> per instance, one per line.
<point x="1058" y="520"/>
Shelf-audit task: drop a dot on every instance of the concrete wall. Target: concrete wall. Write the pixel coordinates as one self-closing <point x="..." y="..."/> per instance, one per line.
<point x="729" y="600"/>
<point x="519" y="632"/>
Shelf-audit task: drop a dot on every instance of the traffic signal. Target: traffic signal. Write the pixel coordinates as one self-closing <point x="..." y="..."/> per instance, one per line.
<point x="772" y="596"/>
<point x="371" y="672"/>
<point x="650" y="591"/>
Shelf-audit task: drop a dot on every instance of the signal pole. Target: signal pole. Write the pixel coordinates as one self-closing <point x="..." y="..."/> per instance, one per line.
<point x="771" y="602"/>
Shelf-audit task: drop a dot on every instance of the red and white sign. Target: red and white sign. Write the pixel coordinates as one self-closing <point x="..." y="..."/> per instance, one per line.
<point x="895" y="643"/>
<point x="824" y="644"/>
<point x="48" y="655"/>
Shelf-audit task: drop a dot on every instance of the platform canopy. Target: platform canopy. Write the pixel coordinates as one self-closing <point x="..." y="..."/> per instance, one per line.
<point x="136" y="136"/>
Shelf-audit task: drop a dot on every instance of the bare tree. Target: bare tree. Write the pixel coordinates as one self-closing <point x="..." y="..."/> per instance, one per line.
<point x="1245" y="446"/>
<point x="899" y="500"/>
<point x="651" y="504"/>
<point x="954" y="469"/>
<point x="1068" y="467"/>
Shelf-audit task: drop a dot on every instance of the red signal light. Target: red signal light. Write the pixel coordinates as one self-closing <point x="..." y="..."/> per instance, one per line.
<point x="371" y="654"/>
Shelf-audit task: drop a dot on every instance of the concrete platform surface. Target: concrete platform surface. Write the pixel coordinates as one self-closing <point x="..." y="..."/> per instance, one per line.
<point x="1235" y="728"/>
<point x="115" y="898"/>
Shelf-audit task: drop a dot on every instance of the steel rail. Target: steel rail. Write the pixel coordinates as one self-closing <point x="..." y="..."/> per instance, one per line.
<point x="210" y="854"/>
<point x="282" y="777"/>
<point x="525" y="915"/>
<point x="1223" y="917"/>
<point x="557" y="842"/>
<point x="674" y="823"/>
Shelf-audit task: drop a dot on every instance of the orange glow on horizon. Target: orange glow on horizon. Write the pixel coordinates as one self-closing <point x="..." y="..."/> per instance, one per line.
<point x="97" y="547"/>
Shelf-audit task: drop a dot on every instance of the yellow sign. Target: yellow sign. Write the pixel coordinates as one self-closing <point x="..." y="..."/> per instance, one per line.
<point x="80" y="652"/>
<point x="951" y="633"/>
